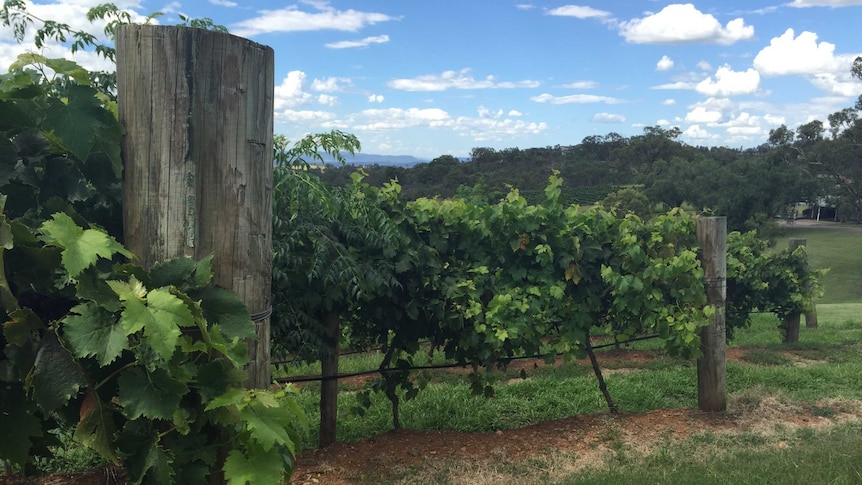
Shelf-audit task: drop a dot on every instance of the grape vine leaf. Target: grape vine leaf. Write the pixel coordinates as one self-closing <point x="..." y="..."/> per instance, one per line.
<point x="184" y="273"/>
<point x="73" y="123"/>
<point x="92" y="330"/>
<point x="18" y="423"/>
<point x="224" y="308"/>
<point x="168" y="314"/>
<point x="145" y="460"/>
<point x="268" y="426"/>
<point x="257" y="467"/>
<point x="56" y="376"/>
<point x="155" y="395"/>
<point x="96" y="427"/>
<point x="81" y="247"/>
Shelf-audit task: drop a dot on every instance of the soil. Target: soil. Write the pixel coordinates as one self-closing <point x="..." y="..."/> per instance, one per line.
<point x="591" y="437"/>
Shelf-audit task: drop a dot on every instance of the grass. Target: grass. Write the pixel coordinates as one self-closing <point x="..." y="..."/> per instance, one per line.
<point x="825" y="364"/>
<point x="841" y="252"/>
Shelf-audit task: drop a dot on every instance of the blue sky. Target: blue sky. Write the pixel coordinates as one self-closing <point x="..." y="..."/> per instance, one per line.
<point x="428" y="78"/>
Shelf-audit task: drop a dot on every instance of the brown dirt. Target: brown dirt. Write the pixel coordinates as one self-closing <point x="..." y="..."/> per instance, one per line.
<point x="589" y="437"/>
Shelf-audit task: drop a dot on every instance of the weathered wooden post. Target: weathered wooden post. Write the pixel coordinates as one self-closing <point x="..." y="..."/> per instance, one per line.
<point x="197" y="106"/>
<point x="329" y="382"/>
<point x="711" y="368"/>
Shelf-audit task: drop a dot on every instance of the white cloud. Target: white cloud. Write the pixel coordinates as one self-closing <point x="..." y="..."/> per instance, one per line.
<point x="683" y="23"/>
<point x="701" y="114"/>
<point x="223" y="3"/>
<point x="346" y="44"/>
<point x="575" y="99"/>
<point x="397" y="118"/>
<point x="291" y="19"/>
<point x="578" y="11"/>
<point x="704" y="66"/>
<point x="327" y="100"/>
<point x="609" y="118"/>
<point x="290" y="93"/>
<point x="668" y="102"/>
<point x="664" y="63"/>
<point x="525" y="6"/>
<point x="515" y="113"/>
<point x="824" y="3"/>
<point x="697" y="133"/>
<point x="456" y="80"/>
<point x="292" y="116"/>
<point x="837" y="84"/>
<point x="729" y="83"/>
<point x="375" y="98"/>
<point x="330" y="84"/>
<point x="800" y="55"/>
<point x="675" y="85"/>
<point x="580" y="85"/>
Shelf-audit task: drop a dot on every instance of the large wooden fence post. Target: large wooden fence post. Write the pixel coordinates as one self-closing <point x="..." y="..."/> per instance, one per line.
<point x="711" y="368"/>
<point x="197" y="106"/>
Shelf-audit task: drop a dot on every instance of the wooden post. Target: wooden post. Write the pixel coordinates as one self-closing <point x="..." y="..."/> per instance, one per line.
<point x="791" y="323"/>
<point x="197" y="106"/>
<point x="329" y="383"/>
<point x="711" y="368"/>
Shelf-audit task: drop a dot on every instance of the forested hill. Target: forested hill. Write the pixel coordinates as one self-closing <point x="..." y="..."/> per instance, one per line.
<point x="746" y="185"/>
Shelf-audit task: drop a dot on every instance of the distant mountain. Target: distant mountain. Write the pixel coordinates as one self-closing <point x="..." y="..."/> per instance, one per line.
<point x="371" y="159"/>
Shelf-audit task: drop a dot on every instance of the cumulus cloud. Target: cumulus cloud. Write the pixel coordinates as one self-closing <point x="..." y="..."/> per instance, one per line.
<point x="609" y="118"/>
<point x="456" y="80"/>
<point x="787" y="54"/>
<point x="290" y="93"/>
<point x="293" y="116"/>
<point x="701" y="114"/>
<point x="330" y="84"/>
<point x="346" y="44"/>
<point x="575" y="99"/>
<point x="397" y="118"/>
<point x="704" y="66"/>
<point x="683" y="23"/>
<point x="697" y="133"/>
<point x="578" y="11"/>
<point x="327" y="99"/>
<point x="292" y="19"/>
<point x="664" y="63"/>
<point x="729" y="83"/>
<point x="223" y="3"/>
<point x="375" y="98"/>
<point x="802" y="55"/>
<point x="668" y="102"/>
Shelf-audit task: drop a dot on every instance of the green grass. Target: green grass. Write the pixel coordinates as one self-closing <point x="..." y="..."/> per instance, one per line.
<point x="841" y="252"/>
<point x="804" y="457"/>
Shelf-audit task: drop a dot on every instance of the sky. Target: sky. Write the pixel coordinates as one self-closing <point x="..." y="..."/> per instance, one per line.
<point x="436" y="77"/>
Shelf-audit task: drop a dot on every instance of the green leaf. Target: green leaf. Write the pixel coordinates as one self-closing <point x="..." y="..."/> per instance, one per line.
<point x="18" y="424"/>
<point x="145" y="460"/>
<point x="184" y="273"/>
<point x="232" y="397"/>
<point x="92" y="330"/>
<point x="155" y="395"/>
<point x="168" y="314"/>
<point x="224" y="308"/>
<point x="96" y="428"/>
<point x="56" y="376"/>
<point x="18" y="330"/>
<point x="74" y="123"/>
<point x="81" y="248"/>
<point x="69" y="68"/>
<point x="268" y="426"/>
<point x="257" y="467"/>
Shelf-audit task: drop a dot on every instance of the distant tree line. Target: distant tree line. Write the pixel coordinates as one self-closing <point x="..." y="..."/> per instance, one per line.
<point x="816" y="163"/>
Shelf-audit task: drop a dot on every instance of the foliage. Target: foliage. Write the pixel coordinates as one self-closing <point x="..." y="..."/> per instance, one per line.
<point x="780" y="282"/>
<point x="145" y="366"/>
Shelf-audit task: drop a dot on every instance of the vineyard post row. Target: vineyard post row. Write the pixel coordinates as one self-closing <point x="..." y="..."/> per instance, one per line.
<point x="197" y="106"/>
